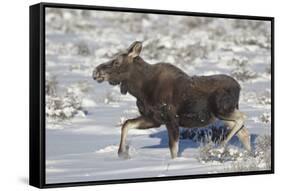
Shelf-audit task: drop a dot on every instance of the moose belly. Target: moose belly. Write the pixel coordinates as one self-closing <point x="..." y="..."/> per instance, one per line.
<point x="158" y="113"/>
<point x="192" y="118"/>
<point x="198" y="119"/>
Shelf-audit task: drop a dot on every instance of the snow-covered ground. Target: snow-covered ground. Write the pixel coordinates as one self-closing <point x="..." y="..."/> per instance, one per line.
<point x="84" y="117"/>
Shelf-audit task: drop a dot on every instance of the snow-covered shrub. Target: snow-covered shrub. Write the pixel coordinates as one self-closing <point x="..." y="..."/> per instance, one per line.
<point x="265" y="118"/>
<point x="252" y="33"/>
<point x="236" y="159"/>
<point x="243" y="166"/>
<point x="243" y="74"/>
<point x="250" y="40"/>
<point x="259" y="160"/>
<point x="51" y="84"/>
<point x="54" y="19"/>
<point x="83" y="49"/>
<point x="238" y="62"/>
<point x="197" y="50"/>
<point x="263" y="151"/>
<point x="264" y="100"/>
<point x="64" y="105"/>
<point x="196" y="22"/>
<point x="209" y="153"/>
<point x="241" y="71"/>
<point x="80" y="48"/>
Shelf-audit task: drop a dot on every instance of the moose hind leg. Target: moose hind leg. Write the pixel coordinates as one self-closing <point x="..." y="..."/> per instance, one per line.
<point x="244" y="137"/>
<point x="235" y="122"/>
<point x="137" y="123"/>
<point x="242" y="134"/>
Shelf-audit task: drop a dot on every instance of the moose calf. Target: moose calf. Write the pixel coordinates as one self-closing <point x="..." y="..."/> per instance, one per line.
<point x="166" y="95"/>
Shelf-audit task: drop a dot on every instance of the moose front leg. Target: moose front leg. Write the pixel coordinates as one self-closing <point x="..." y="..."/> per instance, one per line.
<point x="173" y="132"/>
<point x="137" y="123"/>
<point x="169" y="115"/>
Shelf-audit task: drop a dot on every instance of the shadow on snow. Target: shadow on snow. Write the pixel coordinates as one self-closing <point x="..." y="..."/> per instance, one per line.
<point x="188" y="143"/>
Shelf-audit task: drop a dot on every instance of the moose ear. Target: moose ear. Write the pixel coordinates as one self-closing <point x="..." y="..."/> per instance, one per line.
<point x="135" y="49"/>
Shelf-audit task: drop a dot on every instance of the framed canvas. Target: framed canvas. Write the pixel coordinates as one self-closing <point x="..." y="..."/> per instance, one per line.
<point x="122" y="95"/>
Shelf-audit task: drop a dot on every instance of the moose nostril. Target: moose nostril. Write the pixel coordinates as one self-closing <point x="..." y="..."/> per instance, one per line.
<point x="94" y="74"/>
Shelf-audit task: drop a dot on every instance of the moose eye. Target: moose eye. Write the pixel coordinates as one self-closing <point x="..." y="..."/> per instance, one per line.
<point x="115" y="63"/>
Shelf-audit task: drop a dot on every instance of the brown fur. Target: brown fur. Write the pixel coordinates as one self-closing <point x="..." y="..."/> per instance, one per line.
<point x="167" y="95"/>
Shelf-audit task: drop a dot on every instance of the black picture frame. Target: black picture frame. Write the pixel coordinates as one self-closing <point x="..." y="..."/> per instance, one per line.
<point x="37" y="94"/>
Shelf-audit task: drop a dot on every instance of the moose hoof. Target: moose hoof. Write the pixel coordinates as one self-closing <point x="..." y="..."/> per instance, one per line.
<point x="175" y="156"/>
<point x="123" y="154"/>
<point x="222" y="145"/>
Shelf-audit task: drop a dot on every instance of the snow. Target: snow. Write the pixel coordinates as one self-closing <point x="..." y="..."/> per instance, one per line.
<point x="83" y="147"/>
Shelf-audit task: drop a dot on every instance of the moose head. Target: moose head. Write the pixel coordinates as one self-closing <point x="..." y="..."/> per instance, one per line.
<point x="118" y="69"/>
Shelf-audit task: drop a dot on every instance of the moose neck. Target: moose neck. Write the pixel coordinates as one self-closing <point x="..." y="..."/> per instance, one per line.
<point x="140" y="73"/>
